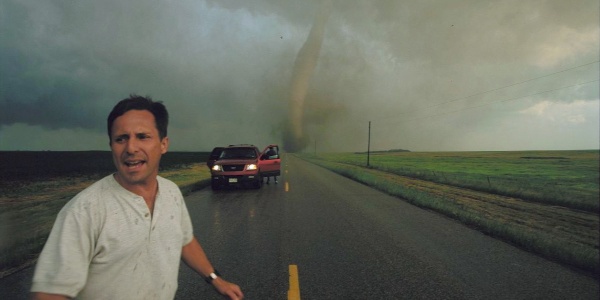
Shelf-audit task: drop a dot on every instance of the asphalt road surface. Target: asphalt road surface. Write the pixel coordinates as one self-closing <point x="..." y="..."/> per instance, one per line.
<point x="349" y="241"/>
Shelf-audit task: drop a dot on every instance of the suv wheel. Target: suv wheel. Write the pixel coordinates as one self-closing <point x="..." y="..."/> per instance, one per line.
<point x="215" y="185"/>
<point x="258" y="183"/>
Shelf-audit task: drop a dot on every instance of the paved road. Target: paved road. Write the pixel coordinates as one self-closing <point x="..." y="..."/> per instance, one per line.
<point x="352" y="242"/>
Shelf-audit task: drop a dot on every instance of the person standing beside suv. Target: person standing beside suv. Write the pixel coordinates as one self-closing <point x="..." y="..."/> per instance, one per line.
<point x="271" y="153"/>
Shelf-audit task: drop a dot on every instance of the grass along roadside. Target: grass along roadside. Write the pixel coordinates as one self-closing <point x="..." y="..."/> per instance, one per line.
<point x="189" y="179"/>
<point x="564" y="178"/>
<point x="566" y="235"/>
<point x="28" y="212"/>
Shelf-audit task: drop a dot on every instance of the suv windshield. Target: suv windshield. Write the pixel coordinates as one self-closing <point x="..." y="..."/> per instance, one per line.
<point x="235" y="153"/>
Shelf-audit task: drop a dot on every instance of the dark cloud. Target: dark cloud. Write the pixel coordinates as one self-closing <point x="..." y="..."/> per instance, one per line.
<point x="223" y="68"/>
<point x="60" y="108"/>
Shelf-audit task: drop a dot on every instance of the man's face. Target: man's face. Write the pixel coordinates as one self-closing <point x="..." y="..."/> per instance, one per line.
<point x="136" y="148"/>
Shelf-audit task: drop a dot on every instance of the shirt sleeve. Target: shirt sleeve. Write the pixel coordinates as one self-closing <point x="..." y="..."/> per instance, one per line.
<point x="62" y="267"/>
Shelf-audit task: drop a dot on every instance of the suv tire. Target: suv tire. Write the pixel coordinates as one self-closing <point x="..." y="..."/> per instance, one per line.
<point x="215" y="185"/>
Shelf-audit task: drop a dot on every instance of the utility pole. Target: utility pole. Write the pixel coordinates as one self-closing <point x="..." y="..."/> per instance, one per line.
<point x="369" y="145"/>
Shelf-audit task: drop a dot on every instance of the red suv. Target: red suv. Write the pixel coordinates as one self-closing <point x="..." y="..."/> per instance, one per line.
<point x="243" y="165"/>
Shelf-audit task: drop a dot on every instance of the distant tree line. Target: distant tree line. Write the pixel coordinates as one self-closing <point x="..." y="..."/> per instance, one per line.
<point x="384" y="151"/>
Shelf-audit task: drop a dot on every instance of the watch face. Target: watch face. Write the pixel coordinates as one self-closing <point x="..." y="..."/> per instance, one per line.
<point x="213" y="275"/>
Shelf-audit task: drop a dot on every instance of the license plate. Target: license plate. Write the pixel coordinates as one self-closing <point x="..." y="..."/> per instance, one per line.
<point x="232" y="180"/>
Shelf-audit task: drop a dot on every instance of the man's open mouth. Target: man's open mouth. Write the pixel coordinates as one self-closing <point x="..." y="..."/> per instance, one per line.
<point x="135" y="163"/>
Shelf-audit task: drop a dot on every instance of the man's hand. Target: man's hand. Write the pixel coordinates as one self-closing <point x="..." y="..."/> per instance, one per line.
<point x="228" y="289"/>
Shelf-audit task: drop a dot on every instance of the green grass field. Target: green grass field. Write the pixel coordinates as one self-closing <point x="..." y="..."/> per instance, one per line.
<point x="566" y="178"/>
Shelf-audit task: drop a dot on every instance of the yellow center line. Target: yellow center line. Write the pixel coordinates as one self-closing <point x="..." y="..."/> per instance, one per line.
<point x="294" y="291"/>
<point x="287" y="184"/>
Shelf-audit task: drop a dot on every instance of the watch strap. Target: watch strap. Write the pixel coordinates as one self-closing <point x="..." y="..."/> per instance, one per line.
<point x="212" y="276"/>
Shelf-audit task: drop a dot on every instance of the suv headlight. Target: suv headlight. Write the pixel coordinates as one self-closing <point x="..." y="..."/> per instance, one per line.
<point x="217" y="168"/>
<point x="251" y="167"/>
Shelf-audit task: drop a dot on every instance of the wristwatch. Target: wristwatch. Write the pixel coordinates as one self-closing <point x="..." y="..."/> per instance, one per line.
<point x="212" y="276"/>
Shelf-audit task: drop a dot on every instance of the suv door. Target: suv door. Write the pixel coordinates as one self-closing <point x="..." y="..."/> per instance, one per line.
<point x="214" y="156"/>
<point x="270" y="161"/>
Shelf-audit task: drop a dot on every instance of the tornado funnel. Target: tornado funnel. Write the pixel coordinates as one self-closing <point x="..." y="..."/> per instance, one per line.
<point x="306" y="61"/>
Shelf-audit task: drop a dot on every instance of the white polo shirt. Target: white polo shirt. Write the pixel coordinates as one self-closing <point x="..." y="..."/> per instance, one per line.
<point x="105" y="244"/>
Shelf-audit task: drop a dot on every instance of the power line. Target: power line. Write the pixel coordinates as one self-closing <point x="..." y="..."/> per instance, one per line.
<point x="514" y="84"/>
<point x="496" y="89"/>
<point x="505" y="100"/>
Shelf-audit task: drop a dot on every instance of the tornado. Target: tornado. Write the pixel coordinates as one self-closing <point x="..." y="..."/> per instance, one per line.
<point x="306" y="61"/>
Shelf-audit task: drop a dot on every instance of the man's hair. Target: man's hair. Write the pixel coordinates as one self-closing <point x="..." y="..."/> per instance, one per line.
<point x="161" y="116"/>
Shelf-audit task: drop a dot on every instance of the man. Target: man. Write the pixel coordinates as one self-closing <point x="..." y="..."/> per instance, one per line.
<point x="271" y="153"/>
<point x="123" y="237"/>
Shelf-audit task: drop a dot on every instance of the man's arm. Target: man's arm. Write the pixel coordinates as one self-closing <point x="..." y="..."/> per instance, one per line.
<point x="193" y="255"/>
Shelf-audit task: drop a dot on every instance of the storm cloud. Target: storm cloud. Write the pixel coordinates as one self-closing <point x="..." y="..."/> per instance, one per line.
<point x="430" y="75"/>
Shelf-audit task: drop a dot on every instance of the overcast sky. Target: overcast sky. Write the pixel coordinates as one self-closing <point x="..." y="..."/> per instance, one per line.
<point x="437" y="75"/>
